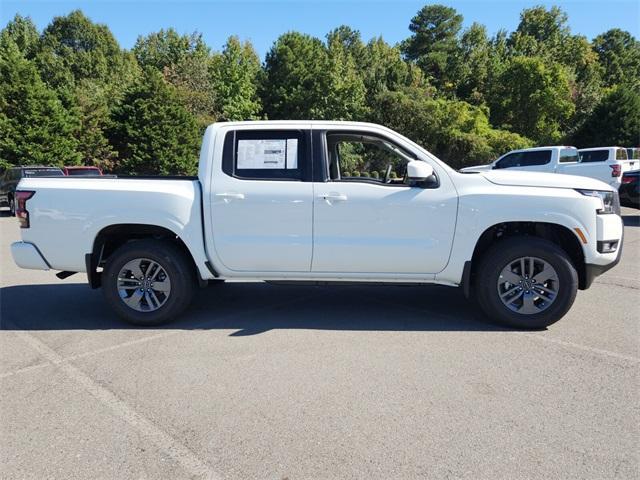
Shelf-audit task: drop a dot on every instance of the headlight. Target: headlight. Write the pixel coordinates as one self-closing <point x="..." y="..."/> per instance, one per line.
<point x="609" y="202"/>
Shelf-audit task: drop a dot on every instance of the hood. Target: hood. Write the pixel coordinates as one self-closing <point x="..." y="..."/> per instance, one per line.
<point x="477" y="168"/>
<point x="541" y="179"/>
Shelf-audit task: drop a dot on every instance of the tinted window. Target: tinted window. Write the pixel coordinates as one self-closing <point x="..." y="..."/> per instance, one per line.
<point x="53" y="172"/>
<point x="621" y="154"/>
<point x="568" y="155"/>
<point x="525" y="159"/>
<point x="83" y="172"/>
<point x="594" y="156"/>
<point x="266" y="155"/>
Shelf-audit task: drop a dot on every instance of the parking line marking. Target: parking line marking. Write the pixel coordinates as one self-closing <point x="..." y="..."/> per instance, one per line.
<point x="168" y="333"/>
<point x="179" y="452"/>
<point x="578" y="346"/>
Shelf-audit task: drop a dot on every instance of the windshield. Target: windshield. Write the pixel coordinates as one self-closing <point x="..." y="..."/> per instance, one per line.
<point x="44" y="172"/>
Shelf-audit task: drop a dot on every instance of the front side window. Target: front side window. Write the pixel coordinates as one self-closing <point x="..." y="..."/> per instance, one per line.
<point x="594" y="156"/>
<point x="265" y="155"/>
<point x="366" y="158"/>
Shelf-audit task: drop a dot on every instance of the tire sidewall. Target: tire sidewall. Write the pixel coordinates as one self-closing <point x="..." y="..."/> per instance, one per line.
<point x="171" y="260"/>
<point x="507" y="251"/>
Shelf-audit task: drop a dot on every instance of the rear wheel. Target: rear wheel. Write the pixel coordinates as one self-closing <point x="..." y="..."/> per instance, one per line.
<point x="526" y="282"/>
<point x="12" y="207"/>
<point x="148" y="282"/>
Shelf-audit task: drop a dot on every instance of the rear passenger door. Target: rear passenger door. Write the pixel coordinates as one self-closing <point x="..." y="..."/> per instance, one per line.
<point x="262" y="201"/>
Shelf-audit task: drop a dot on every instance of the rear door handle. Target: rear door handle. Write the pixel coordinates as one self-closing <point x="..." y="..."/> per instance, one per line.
<point x="334" y="197"/>
<point x="230" y="196"/>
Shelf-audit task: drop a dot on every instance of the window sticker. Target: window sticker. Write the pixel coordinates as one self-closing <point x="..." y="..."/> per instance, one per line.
<point x="268" y="154"/>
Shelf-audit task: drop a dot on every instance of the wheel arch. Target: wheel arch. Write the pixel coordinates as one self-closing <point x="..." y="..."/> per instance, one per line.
<point x="112" y="237"/>
<point x="560" y="235"/>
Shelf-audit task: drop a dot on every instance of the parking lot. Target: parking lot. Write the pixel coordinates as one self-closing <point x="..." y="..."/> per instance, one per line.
<point x="289" y="382"/>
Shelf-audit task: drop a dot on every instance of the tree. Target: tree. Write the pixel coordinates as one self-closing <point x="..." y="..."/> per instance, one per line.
<point x="532" y="97"/>
<point x="184" y="61"/>
<point x="35" y="126"/>
<point x="91" y="107"/>
<point x="456" y="131"/>
<point x="84" y="50"/>
<point x="153" y="132"/>
<point x="23" y="32"/>
<point x="540" y="31"/>
<point x="294" y="84"/>
<point x="345" y="90"/>
<point x="619" y="54"/>
<point x="475" y="51"/>
<point x="615" y="121"/>
<point x="235" y="76"/>
<point x="167" y="47"/>
<point x="434" y="44"/>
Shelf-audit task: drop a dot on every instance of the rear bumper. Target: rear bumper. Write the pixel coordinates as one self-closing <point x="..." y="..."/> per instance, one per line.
<point x="27" y="255"/>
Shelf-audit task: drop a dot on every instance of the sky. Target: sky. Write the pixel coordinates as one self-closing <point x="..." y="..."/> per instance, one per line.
<point x="262" y="22"/>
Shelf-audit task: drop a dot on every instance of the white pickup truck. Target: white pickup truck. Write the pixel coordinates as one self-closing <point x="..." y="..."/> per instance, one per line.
<point x="272" y="201"/>
<point x="606" y="164"/>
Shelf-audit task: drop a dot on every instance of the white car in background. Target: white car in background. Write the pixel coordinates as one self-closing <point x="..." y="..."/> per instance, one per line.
<point x="606" y="164"/>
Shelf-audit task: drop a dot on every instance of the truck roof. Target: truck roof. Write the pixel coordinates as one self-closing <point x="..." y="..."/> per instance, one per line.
<point x="297" y="122"/>
<point x="598" y="148"/>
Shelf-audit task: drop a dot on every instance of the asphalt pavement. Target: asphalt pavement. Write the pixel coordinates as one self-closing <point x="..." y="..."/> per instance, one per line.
<point x="296" y="382"/>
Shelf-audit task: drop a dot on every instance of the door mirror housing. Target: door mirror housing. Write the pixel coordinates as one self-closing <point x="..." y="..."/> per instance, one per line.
<point x="418" y="171"/>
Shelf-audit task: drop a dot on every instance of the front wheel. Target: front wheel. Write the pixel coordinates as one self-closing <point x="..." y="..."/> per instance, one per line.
<point x="148" y="282"/>
<point x="12" y="207"/>
<point x="526" y="282"/>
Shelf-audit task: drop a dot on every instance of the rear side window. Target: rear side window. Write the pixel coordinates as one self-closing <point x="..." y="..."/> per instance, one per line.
<point x="42" y="172"/>
<point x="621" y="154"/>
<point x="569" y="155"/>
<point x="594" y="156"/>
<point x="266" y="155"/>
<point x="525" y="159"/>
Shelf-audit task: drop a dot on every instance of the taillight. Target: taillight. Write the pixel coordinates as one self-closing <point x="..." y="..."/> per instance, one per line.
<point x="616" y="170"/>
<point x="21" y="206"/>
<point x="629" y="179"/>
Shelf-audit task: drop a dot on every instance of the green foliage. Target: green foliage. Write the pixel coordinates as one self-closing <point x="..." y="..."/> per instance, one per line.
<point x="532" y="98"/>
<point x="294" y="86"/>
<point x="23" y="33"/>
<point x="235" y="74"/>
<point x="434" y="44"/>
<point x="73" y="48"/>
<point x="619" y="54"/>
<point x="72" y="95"/>
<point x="35" y="126"/>
<point x="92" y="111"/>
<point x="615" y="121"/>
<point x="153" y="132"/>
<point x="457" y="132"/>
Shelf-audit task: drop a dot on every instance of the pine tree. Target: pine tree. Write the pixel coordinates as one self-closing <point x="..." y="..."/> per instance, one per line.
<point x="153" y="132"/>
<point x="35" y="126"/>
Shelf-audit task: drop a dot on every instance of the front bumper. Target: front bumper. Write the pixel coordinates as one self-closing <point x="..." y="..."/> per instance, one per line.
<point x="27" y="255"/>
<point x="591" y="271"/>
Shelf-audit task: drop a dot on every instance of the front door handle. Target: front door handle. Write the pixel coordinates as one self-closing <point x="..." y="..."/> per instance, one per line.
<point x="334" y="197"/>
<point x="230" y="196"/>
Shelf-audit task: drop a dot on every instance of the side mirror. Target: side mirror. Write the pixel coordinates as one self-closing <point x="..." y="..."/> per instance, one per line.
<point x="418" y="171"/>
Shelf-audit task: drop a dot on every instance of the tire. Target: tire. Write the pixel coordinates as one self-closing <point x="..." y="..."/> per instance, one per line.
<point x="150" y="306"/>
<point x="528" y="303"/>
<point x="12" y="207"/>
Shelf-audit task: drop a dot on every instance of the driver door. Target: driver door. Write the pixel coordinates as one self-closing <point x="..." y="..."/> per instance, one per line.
<point x="364" y="224"/>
